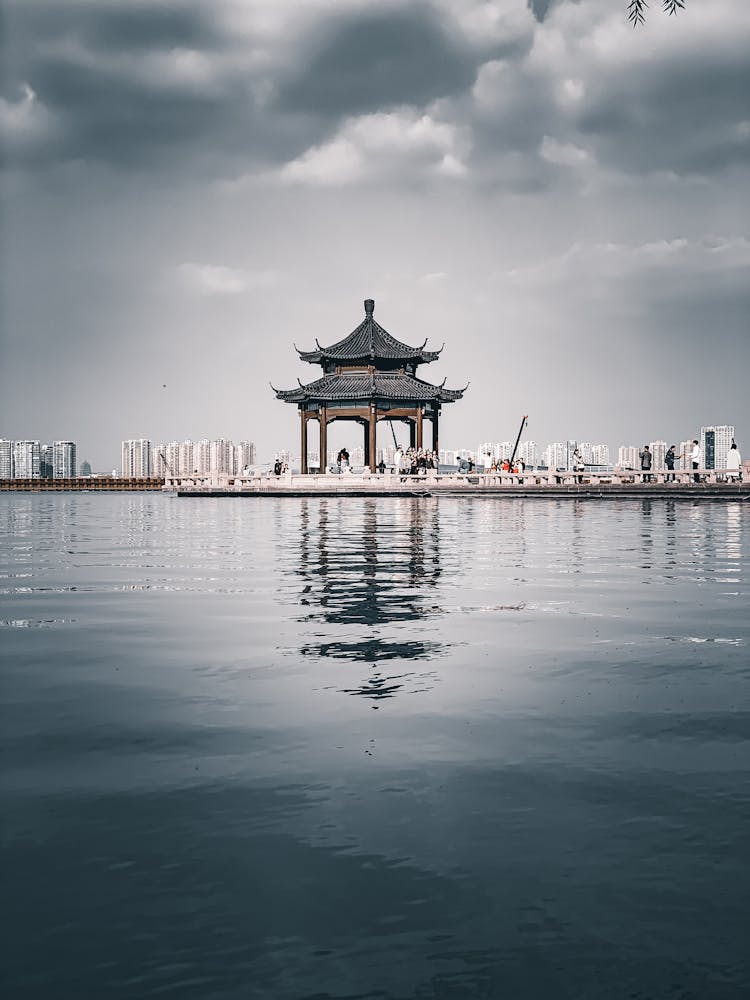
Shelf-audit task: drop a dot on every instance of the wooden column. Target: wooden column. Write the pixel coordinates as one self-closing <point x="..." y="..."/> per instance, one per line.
<point x="303" y="442"/>
<point x="372" y="437"/>
<point x="323" y="461"/>
<point x="435" y="446"/>
<point x="412" y="433"/>
<point x="419" y="427"/>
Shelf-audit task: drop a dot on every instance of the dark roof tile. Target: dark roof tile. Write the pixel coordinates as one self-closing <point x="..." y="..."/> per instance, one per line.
<point x="364" y="386"/>
<point x="369" y="341"/>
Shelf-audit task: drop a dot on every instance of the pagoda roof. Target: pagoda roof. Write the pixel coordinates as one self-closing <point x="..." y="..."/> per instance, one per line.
<point x="365" y="386"/>
<point x="368" y="342"/>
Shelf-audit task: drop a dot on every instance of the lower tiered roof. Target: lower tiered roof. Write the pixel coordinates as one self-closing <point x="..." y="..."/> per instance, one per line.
<point x="394" y="387"/>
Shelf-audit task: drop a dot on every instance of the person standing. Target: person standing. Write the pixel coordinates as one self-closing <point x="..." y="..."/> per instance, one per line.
<point x="646" y="459"/>
<point x="734" y="463"/>
<point x="578" y="464"/>
<point x="669" y="460"/>
<point x="695" y="459"/>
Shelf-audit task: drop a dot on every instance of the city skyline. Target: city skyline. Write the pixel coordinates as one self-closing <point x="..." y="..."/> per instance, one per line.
<point x="143" y="457"/>
<point x="552" y="194"/>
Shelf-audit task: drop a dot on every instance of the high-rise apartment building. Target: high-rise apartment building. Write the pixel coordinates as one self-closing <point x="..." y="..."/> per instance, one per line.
<point x="527" y="452"/>
<point x="6" y="459"/>
<point x="600" y="454"/>
<point x="185" y="461"/>
<point x="165" y="459"/>
<point x="64" y="465"/>
<point x="244" y="456"/>
<point x="221" y="460"/>
<point x="26" y="459"/>
<point x="202" y="457"/>
<point x="628" y="456"/>
<point x="715" y="443"/>
<point x="46" y="461"/>
<point x="555" y="456"/>
<point x="685" y="448"/>
<point x="136" y="458"/>
<point x="586" y="450"/>
<point x="658" y="450"/>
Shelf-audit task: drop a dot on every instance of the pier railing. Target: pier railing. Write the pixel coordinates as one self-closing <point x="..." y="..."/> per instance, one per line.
<point x="391" y="481"/>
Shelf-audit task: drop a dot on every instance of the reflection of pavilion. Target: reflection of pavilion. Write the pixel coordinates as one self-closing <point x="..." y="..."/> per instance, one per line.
<point x="368" y="377"/>
<point x="370" y="579"/>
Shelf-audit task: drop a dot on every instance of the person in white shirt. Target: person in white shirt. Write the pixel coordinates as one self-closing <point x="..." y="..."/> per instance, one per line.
<point x="695" y="458"/>
<point x="734" y="462"/>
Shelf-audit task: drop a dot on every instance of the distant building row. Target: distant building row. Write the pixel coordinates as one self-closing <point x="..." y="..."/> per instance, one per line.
<point x="34" y="460"/>
<point x="141" y="458"/>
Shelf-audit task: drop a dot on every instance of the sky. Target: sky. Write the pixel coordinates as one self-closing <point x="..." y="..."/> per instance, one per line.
<point x="191" y="188"/>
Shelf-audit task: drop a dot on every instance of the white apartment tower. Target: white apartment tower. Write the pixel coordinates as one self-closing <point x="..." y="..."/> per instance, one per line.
<point x="628" y="456"/>
<point x="527" y="451"/>
<point x="599" y="454"/>
<point x="6" y="459"/>
<point x="658" y="450"/>
<point x="26" y="457"/>
<point x="221" y="454"/>
<point x="64" y="464"/>
<point x="202" y="457"/>
<point x="555" y="456"/>
<point x="136" y="458"/>
<point x="685" y="449"/>
<point x="165" y="459"/>
<point x="185" y="459"/>
<point x="244" y="456"/>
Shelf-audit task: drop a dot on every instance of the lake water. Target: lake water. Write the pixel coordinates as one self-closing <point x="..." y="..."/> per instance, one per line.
<point x="374" y="748"/>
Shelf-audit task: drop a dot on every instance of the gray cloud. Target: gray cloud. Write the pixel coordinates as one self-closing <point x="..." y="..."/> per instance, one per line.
<point x="684" y="116"/>
<point x="540" y="8"/>
<point x="379" y="59"/>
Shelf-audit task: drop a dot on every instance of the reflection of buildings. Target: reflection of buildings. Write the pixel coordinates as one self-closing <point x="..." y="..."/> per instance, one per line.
<point x="367" y="573"/>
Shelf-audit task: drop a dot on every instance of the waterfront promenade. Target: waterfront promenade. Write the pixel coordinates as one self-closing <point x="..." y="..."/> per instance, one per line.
<point x="547" y="483"/>
<point x="539" y="483"/>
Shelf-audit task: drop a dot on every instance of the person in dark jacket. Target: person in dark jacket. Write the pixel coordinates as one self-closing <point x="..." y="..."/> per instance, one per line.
<point x="669" y="460"/>
<point x="646" y="461"/>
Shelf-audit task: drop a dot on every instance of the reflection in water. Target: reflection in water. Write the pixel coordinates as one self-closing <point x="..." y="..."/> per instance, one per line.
<point x="189" y="812"/>
<point x="367" y="576"/>
<point x="647" y="541"/>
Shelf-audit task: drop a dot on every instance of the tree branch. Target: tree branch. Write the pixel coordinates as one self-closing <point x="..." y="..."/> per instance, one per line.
<point x="637" y="9"/>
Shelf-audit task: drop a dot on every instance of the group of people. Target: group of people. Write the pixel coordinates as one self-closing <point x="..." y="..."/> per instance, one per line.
<point x="518" y="467"/>
<point x="733" y="466"/>
<point x="412" y="461"/>
<point x="416" y="461"/>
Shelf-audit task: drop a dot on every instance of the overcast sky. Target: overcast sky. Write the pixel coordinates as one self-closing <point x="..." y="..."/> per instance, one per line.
<point x="189" y="188"/>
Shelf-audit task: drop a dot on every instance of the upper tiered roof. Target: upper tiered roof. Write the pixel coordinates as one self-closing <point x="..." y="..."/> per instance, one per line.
<point x="368" y="344"/>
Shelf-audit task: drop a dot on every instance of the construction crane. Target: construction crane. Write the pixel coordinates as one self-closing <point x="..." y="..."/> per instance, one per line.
<point x="524" y="421"/>
<point x="162" y="455"/>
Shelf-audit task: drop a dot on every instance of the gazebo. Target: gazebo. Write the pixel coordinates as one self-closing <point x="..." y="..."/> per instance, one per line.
<point x="368" y="377"/>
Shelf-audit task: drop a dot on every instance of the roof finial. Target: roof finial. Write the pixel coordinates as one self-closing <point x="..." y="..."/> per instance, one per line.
<point x="369" y="307"/>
